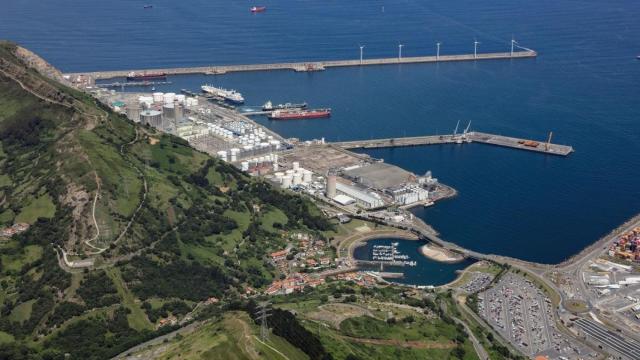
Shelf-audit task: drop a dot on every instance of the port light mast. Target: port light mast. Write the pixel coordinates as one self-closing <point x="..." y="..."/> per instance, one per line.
<point x="361" y="47"/>
<point x="400" y="51"/>
<point x="513" y="42"/>
<point x="437" y="51"/>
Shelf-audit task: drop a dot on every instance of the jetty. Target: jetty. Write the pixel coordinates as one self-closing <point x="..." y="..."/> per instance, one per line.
<point x="545" y="147"/>
<point x="307" y="66"/>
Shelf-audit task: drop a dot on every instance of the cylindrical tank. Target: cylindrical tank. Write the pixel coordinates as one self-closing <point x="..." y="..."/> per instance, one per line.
<point x="331" y="186"/>
<point x="244" y="166"/>
<point x="290" y="172"/>
<point x="222" y="155"/>
<point x="234" y="157"/>
<point x="157" y="97"/>
<point x="306" y="176"/>
<point x="296" y="165"/>
<point x="169" y="98"/>
<point x="286" y="181"/>
<point x="179" y="112"/>
<point x="180" y="98"/>
<point x="297" y="179"/>
<point x="151" y="117"/>
<point x="133" y="111"/>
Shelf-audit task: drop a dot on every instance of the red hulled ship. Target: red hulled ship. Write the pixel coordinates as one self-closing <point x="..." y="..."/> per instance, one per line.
<point x="299" y="114"/>
<point x="132" y="76"/>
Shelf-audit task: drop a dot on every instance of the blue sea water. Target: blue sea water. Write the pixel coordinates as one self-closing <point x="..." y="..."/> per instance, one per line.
<point x="426" y="271"/>
<point x="584" y="87"/>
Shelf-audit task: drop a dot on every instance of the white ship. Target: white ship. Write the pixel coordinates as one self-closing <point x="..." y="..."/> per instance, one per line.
<point x="229" y="95"/>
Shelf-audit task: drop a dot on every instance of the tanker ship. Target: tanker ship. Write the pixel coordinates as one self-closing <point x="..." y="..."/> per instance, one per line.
<point x="133" y="76"/>
<point x="299" y="114"/>
<point x="268" y="106"/>
<point x="229" y="95"/>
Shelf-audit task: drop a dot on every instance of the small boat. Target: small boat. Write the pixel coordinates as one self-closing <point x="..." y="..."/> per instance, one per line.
<point x="257" y="9"/>
<point x="148" y="6"/>
<point x="638" y="57"/>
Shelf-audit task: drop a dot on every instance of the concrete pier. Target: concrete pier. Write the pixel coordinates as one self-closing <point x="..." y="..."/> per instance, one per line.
<point x="478" y="137"/>
<point x="309" y="66"/>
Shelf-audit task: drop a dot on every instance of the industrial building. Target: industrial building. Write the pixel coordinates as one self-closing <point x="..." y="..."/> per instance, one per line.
<point x="362" y="196"/>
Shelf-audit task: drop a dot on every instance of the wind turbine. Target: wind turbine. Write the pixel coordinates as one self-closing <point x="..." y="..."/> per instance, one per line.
<point x="475" y="48"/>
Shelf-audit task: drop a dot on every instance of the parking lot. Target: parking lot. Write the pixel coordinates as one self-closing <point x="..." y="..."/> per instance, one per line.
<point x="522" y="314"/>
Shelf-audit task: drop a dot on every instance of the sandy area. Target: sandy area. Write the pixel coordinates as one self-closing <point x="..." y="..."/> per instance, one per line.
<point x="440" y="254"/>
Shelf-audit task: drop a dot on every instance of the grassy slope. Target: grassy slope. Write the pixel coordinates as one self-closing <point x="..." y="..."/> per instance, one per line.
<point x="231" y="338"/>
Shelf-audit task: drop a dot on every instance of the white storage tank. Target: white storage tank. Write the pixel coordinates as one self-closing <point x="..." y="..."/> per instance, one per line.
<point x="297" y="179"/>
<point x="290" y="172"/>
<point x="307" y="176"/>
<point x="169" y="98"/>
<point x="222" y="155"/>
<point x="286" y="181"/>
<point x="296" y="165"/>
<point x="180" y="98"/>
<point x="244" y="166"/>
<point x="157" y="97"/>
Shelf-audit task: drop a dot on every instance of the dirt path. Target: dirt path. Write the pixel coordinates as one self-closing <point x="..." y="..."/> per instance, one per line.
<point x="414" y="344"/>
<point x="271" y="347"/>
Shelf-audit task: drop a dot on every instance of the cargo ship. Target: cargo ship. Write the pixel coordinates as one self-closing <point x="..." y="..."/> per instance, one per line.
<point x="231" y="96"/>
<point x="257" y="9"/>
<point x="299" y="114"/>
<point x="133" y="76"/>
<point x="268" y="106"/>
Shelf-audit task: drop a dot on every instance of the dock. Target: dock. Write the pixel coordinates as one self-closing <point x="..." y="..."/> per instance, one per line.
<point x="379" y="263"/>
<point x="310" y="66"/>
<point x="469" y="137"/>
<point x="133" y="84"/>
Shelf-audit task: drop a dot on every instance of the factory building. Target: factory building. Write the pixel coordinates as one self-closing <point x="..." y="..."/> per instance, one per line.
<point x="363" y="198"/>
<point x="406" y="195"/>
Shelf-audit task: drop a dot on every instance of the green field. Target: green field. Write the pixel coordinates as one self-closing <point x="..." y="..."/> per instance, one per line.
<point x="39" y="207"/>
<point x="137" y="318"/>
<point x="5" y="338"/>
<point x="22" y="312"/>
<point x="29" y="254"/>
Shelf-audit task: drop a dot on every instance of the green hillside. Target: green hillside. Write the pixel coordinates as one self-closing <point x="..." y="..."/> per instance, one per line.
<point x="166" y="225"/>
